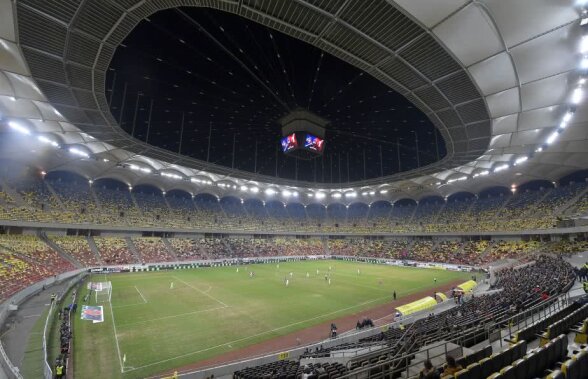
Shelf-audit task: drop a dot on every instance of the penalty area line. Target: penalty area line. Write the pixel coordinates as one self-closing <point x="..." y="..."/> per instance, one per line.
<point x="173" y="316"/>
<point x="202" y="292"/>
<point x="142" y="297"/>
<point x="259" y="334"/>
<point x="122" y="370"/>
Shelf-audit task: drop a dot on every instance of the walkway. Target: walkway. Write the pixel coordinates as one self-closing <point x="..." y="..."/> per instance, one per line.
<point x="21" y="322"/>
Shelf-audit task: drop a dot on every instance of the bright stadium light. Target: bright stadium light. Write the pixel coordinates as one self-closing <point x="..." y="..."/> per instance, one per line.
<point x="320" y="195"/>
<point x="383" y="192"/>
<point x="351" y="194"/>
<point x="336" y="195"/>
<point x="47" y="141"/>
<point x="521" y="160"/>
<point x="552" y="137"/>
<point x="372" y="193"/>
<point x="270" y="192"/>
<point x="254" y="189"/>
<point x="568" y="116"/>
<point x="19" y="128"/>
<point x="584" y="45"/>
<point x="170" y="175"/>
<point x="577" y="96"/>
<point x="584" y="63"/>
<point x="294" y="194"/>
<point x="501" y="168"/>
<point x="244" y="188"/>
<point x="286" y="193"/>
<point x="78" y="152"/>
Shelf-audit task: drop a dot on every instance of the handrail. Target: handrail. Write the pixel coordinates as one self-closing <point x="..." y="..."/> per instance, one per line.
<point x="364" y="372"/>
<point x="48" y="373"/>
<point x="15" y="371"/>
<point x="389" y="349"/>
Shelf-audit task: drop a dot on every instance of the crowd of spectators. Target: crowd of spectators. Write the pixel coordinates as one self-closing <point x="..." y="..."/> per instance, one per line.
<point x="34" y="250"/>
<point x="25" y="260"/>
<point x="519" y="289"/>
<point x="114" y="251"/>
<point x="78" y="248"/>
<point x="153" y="249"/>
<point x="76" y="201"/>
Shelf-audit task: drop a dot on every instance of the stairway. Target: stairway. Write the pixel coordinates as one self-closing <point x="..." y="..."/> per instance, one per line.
<point x="170" y="248"/>
<point x="569" y="208"/>
<point x="436" y="217"/>
<point x="135" y="203"/>
<point x="43" y="237"/>
<point x="96" y="200"/>
<point x="133" y="250"/>
<point x="94" y="249"/>
<point x="499" y="210"/>
<point x="228" y="247"/>
<point x="55" y="195"/>
<point x="13" y="194"/>
<point x="535" y="210"/>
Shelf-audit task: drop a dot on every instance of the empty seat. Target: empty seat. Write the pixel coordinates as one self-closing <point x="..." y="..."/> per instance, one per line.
<point x="463" y="374"/>
<point x="486" y="367"/>
<point x="475" y="370"/>
<point x="571" y="369"/>
<point x="508" y="372"/>
<point x="521" y="368"/>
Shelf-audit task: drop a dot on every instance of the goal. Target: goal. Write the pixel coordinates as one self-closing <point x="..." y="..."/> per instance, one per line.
<point x="103" y="291"/>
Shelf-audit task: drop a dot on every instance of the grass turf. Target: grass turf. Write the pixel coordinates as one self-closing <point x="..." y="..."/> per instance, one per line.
<point x="214" y="310"/>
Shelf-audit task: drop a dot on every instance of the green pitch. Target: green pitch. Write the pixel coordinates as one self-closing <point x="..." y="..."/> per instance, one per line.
<point x="210" y="311"/>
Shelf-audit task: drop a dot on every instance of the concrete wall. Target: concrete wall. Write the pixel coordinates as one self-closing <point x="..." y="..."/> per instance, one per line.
<point x="20" y="297"/>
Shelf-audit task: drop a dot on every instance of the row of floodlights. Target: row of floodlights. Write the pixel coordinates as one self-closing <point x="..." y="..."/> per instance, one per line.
<point x="576" y="98"/>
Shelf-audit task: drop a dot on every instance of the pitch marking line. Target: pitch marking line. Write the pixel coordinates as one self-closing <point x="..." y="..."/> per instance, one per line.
<point x="127" y="305"/>
<point x="258" y="334"/>
<point x="114" y="329"/>
<point x="174" y="316"/>
<point x="142" y="297"/>
<point x="199" y="290"/>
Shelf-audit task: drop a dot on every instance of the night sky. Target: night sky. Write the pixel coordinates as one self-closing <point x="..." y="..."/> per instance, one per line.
<point x="232" y="79"/>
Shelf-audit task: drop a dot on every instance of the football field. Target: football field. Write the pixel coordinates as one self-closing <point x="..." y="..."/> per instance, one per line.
<point x="166" y="319"/>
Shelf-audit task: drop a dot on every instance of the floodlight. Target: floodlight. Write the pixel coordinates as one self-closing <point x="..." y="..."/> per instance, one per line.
<point x="577" y="96"/>
<point x="47" y="141"/>
<point x="501" y="168"/>
<point x="19" y="128"/>
<point x="78" y="152"/>
<point x="336" y="195"/>
<point x="552" y="137"/>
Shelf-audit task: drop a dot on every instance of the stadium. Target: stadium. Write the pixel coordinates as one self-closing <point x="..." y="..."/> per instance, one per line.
<point x="293" y="189"/>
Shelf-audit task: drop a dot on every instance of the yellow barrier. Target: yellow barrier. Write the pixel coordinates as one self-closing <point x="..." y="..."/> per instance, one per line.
<point x="467" y="286"/>
<point x="441" y="296"/>
<point x="416" y="306"/>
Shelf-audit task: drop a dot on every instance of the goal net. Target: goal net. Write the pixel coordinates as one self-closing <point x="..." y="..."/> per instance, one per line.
<point x="103" y="291"/>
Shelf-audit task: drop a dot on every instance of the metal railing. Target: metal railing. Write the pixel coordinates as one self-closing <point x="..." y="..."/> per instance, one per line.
<point x="502" y="323"/>
<point x="47" y="372"/>
<point x="12" y="368"/>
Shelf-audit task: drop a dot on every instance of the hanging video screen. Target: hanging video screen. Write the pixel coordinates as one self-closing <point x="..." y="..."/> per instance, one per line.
<point x="289" y="143"/>
<point x="314" y="143"/>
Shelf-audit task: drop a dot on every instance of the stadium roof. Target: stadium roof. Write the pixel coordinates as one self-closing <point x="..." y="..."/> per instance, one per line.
<point x="496" y="78"/>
